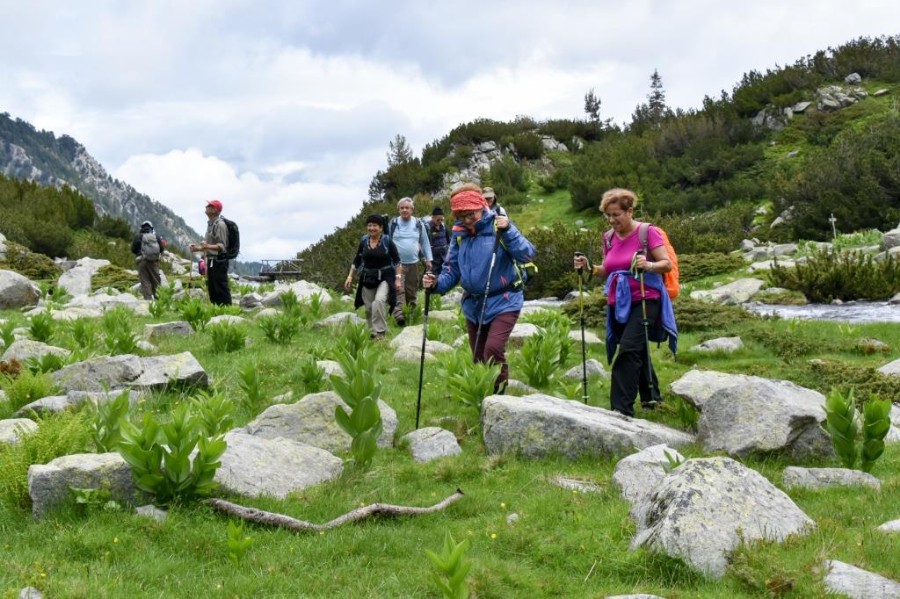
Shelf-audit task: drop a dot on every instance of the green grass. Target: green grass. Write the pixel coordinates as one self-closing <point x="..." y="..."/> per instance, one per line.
<point x="563" y="544"/>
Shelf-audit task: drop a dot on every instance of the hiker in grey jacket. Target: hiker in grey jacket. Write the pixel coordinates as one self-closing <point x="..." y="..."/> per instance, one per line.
<point x="148" y="246"/>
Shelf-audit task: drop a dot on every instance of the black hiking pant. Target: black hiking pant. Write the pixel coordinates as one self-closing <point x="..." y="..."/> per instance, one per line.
<point x="631" y="364"/>
<point x="217" y="281"/>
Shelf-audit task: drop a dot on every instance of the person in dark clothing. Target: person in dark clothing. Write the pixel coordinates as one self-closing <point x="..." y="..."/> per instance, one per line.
<point x="378" y="264"/>
<point x="214" y="243"/>
<point x="148" y="246"/>
<point x="439" y="238"/>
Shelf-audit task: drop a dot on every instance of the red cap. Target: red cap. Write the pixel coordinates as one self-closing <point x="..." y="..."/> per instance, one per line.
<point x="215" y="204"/>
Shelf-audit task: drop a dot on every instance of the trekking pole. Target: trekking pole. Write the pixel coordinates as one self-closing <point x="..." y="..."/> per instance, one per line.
<point x="584" y="394"/>
<point x="646" y="324"/>
<point x="422" y="360"/>
<point x="487" y="287"/>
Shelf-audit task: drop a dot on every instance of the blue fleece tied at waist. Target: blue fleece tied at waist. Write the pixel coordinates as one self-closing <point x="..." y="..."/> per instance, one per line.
<point x="661" y="330"/>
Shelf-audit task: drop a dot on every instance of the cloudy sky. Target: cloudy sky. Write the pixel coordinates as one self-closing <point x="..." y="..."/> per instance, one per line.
<point x="284" y="109"/>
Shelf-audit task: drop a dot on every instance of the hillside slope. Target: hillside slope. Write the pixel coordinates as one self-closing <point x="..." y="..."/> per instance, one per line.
<point x="40" y="156"/>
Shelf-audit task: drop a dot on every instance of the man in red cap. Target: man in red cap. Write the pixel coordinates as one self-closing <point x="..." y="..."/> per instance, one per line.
<point x="214" y="243"/>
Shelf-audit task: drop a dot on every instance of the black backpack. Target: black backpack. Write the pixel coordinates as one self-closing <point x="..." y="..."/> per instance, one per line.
<point x="234" y="241"/>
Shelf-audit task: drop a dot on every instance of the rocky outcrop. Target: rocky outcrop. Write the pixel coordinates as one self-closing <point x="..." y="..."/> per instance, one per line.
<point x="824" y="478"/>
<point x="77" y="280"/>
<point x="702" y="510"/>
<point x="737" y="292"/>
<point x="857" y="583"/>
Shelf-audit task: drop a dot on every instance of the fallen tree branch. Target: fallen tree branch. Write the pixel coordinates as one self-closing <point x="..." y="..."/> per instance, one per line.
<point x="281" y="521"/>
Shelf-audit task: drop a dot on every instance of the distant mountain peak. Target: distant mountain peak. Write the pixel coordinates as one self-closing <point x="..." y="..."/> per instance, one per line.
<point x="39" y="156"/>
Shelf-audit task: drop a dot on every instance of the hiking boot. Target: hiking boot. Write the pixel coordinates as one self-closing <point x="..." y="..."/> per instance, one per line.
<point x="401" y="322"/>
<point x="649" y="405"/>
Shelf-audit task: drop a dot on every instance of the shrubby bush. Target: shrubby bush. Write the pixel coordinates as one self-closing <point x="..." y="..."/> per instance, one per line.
<point x="692" y="267"/>
<point x="845" y="275"/>
<point x="695" y="315"/>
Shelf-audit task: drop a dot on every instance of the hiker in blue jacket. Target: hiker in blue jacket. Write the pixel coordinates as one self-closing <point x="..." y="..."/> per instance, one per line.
<point x="491" y="307"/>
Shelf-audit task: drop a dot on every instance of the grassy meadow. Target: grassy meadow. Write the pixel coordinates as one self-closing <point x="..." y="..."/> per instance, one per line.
<point x="563" y="543"/>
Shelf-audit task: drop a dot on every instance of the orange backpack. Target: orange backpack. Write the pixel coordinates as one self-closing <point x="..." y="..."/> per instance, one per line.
<point x="670" y="279"/>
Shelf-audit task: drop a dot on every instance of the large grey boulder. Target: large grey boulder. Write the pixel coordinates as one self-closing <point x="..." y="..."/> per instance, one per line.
<point x="257" y="466"/>
<point x="77" y="280"/>
<point x="152" y="373"/>
<point x="857" y="583"/>
<point x="743" y="414"/>
<point x="824" y="478"/>
<point x="13" y="429"/>
<point x="17" y="291"/>
<point x="49" y="485"/>
<point x="538" y="425"/>
<point x="737" y="292"/>
<point x="701" y="511"/>
<point x="638" y="474"/>
<point x="23" y="349"/>
<point x="311" y="421"/>
<point x="431" y="443"/>
<point x="720" y="344"/>
<point x="177" y="328"/>
<point x="161" y="372"/>
<point x="892" y="526"/>
<point x="99" y="373"/>
<point x="102" y="301"/>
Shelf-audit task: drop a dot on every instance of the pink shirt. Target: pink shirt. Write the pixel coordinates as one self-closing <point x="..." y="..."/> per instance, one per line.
<point x="620" y="255"/>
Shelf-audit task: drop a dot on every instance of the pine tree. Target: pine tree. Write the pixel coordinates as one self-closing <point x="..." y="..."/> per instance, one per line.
<point x="656" y="100"/>
<point x="592" y="105"/>
<point x="400" y="152"/>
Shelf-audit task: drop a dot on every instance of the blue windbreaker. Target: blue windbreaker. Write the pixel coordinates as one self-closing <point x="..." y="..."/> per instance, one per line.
<point x="664" y="327"/>
<point x="469" y="261"/>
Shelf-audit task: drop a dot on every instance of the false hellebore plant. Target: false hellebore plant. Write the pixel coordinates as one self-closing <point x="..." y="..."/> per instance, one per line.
<point x="843" y="424"/>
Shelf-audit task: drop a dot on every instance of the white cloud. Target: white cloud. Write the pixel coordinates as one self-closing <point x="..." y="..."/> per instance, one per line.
<point x="285" y="110"/>
<point x="274" y="217"/>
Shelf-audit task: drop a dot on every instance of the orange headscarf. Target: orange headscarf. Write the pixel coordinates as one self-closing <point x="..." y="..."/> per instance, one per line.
<point x="467" y="200"/>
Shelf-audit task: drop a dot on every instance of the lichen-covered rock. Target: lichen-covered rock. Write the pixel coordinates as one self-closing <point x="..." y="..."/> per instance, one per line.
<point x="311" y="421"/>
<point x="431" y="443"/>
<point x="701" y="511"/>
<point x="824" y="478"/>
<point x="857" y="583"/>
<point x="539" y="425"/>
<point x="636" y="475"/>
<point x="49" y="485"/>
<point x="257" y="466"/>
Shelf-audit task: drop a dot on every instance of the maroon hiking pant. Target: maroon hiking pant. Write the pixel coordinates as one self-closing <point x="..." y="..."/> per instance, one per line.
<point x="492" y="343"/>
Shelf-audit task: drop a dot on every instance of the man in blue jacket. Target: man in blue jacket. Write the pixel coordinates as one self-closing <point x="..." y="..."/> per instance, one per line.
<point x="484" y="249"/>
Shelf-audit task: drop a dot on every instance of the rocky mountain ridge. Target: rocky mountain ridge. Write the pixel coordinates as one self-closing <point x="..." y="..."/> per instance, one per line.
<point x="41" y="157"/>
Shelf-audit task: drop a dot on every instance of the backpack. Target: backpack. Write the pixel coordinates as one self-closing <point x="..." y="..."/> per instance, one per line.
<point x="392" y="227"/>
<point x="149" y="247"/>
<point x="671" y="278"/>
<point x="370" y="275"/>
<point x="233" y="248"/>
